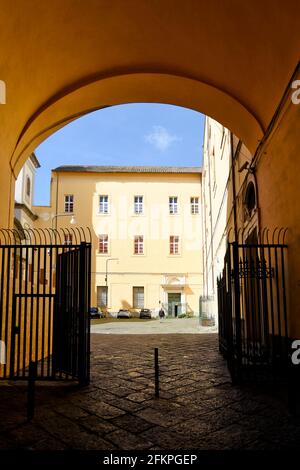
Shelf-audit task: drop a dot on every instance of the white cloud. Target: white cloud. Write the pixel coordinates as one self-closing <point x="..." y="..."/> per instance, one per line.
<point x="161" y="138"/>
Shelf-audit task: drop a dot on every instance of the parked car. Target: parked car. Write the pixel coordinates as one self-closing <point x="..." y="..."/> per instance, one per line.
<point x="95" y="313"/>
<point x="145" y="313"/>
<point x="123" y="313"/>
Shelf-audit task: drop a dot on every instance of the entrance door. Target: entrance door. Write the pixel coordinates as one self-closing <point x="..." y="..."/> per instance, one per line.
<point x="174" y="304"/>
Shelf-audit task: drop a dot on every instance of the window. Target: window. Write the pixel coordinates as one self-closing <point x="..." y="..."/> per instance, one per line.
<point x="194" y="205"/>
<point x="250" y="201"/>
<point x="138" y="297"/>
<point x="174" y="245"/>
<point x="103" y="244"/>
<point x="138" y="244"/>
<point x="28" y="186"/>
<point x="101" y="296"/>
<point x="173" y="204"/>
<point x="69" y="203"/>
<point x="103" y="204"/>
<point x="138" y="205"/>
<point x="68" y="238"/>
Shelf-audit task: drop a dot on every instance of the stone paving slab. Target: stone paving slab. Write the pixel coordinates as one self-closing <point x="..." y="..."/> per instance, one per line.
<point x="198" y="407"/>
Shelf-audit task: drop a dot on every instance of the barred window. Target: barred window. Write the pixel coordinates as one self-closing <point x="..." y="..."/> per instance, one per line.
<point x="138" y="244"/>
<point x="69" y="203"/>
<point x="101" y="296"/>
<point x="138" y="297"/>
<point x="103" y="244"/>
<point x="174" y="245"/>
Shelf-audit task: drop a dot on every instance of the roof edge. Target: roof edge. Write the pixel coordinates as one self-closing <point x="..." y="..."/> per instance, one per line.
<point x="127" y="169"/>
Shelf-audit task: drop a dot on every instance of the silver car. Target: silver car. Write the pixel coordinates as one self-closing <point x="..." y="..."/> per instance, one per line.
<point x="122" y="313"/>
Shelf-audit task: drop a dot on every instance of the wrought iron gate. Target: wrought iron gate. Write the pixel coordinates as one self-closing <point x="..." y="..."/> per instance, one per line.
<point x="44" y="304"/>
<point x="253" y="305"/>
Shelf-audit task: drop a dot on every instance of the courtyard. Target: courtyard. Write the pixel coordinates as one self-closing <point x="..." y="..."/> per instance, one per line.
<point x="153" y="326"/>
<point x="198" y="407"/>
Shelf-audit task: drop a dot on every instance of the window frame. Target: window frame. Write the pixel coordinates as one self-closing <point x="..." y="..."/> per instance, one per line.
<point x="103" y="239"/>
<point x="28" y="187"/>
<point x="138" y="241"/>
<point x="138" y="204"/>
<point x="102" y="289"/>
<point x="135" y="297"/>
<point x="195" y="204"/>
<point x="173" y="205"/>
<point x="104" y="203"/>
<point x="173" y="244"/>
<point x="69" y="203"/>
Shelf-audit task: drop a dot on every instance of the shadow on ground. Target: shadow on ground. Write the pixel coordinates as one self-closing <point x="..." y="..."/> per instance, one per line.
<point x="198" y="407"/>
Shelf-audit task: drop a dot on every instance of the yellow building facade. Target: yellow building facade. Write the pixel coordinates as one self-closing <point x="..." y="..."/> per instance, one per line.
<point x="145" y="222"/>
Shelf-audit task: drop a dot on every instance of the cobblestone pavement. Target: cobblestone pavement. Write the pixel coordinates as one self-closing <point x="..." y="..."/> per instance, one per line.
<point x="198" y="407"/>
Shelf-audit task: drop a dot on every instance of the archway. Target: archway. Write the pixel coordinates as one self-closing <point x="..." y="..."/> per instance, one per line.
<point x="69" y="59"/>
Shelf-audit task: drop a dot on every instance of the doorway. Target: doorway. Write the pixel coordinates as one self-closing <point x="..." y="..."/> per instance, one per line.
<point x="174" y="304"/>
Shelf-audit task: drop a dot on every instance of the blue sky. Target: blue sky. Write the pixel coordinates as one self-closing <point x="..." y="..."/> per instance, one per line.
<point x="133" y="134"/>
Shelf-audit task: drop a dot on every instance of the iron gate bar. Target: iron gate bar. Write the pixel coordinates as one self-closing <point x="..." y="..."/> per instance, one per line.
<point x="252" y="301"/>
<point x="29" y="288"/>
<point x="237" y="311"/>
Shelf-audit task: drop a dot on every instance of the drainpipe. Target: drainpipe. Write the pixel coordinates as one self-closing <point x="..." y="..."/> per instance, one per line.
<point x="56" y="202"/>
<point x="234" y="156"/>
<point x="211" y="227"/>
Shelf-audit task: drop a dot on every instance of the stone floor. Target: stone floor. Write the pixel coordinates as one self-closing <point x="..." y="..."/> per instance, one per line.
<point x="198" y="407"/>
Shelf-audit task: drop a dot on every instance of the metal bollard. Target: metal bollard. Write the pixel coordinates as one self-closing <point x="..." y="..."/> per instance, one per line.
<point x="156" y="369"/>
<point x="31" y="390"/>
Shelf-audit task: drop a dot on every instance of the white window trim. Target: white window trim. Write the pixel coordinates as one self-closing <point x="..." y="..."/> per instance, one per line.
<point x="108" y="204"/>
<point x="108" y="245"/>
<point x="73" y="202"/>
<point x="194" y="204"/>
<point x="142" y="203"/>
<point x="177" y="205"/>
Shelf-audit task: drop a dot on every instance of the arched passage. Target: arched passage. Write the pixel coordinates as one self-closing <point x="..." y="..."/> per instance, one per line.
<point x="229" y="60"/>
<point x="132" y="88"/>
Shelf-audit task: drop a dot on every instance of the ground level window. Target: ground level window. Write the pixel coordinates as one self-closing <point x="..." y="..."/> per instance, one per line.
<point x="101" y="296"/>
<point x="138" y="297"/>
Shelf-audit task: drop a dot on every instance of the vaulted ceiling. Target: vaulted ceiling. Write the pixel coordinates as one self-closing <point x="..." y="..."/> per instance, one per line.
<point x="230" y="59"/>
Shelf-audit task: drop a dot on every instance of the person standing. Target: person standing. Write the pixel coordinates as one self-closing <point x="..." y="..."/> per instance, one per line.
<point x="161" y="314"/>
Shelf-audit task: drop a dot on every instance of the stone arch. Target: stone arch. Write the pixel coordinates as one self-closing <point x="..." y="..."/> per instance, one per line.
<point x="88" y="96"/>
